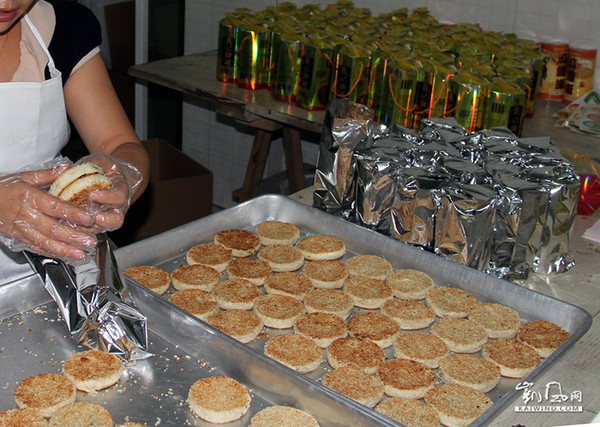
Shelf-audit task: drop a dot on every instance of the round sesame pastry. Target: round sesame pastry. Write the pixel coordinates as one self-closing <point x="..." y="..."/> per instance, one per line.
<point x="409" y="412"/>
<point x="294" y="351"/>
<point x="329" y="301"/>
<point x="515" y="359"/>
<point x="460" y="335"/>
<point x="372" y="266"/>
<point x="218" y="399"/>
<point x="75" y="184"/>
<point x="93" y="370"/>
<point x="410" y="314"/>
<point x="235" y="294"/>
<point x="470" y="371"/>
<point x="425" y="348"/>
<point x="197" y="302"/>
<point x="282" y="257"/>
<point x="277" y="416"/>
<point x="45" y="393"/>
<point x="543" y="336"/>
<point x="243" y="243"/>
<point x="377" y="327"/>
<point x="457" y="405"/>
<point x="405" y="378"/>
<point x="355" y="384"/>
<point x="450" y="302"/>
<point x="326" y="274"/>
<point x="351" y="351"/>
<point x="498" y="320"/>
<point x="80" y="414"/>
<point x="366" y="292"/>
<point x="278" y="311"/>
<point x="23" y="417"/>
<point x="288" y="283"/>
<point x="195" y="276"/>
<point x="409" y="283"/>
<point x="153" y="278"/>
<point x="209" y="254"/>
<point x="252" y="269"/>
<point x="320" y="327"/>
<point x="321" y="246"/>
<point x="242" y="325"/>
<point x="277" y="233"/>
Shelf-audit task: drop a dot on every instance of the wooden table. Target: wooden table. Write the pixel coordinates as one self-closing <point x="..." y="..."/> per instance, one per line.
<point x="195" y="75"/>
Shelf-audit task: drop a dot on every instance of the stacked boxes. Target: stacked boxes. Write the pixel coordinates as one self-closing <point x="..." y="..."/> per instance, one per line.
<point x="405" y="65"/>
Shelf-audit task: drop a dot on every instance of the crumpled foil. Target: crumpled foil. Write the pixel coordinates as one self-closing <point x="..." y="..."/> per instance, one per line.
<point x="95" y="303"/>
<point x="490" y="200"/>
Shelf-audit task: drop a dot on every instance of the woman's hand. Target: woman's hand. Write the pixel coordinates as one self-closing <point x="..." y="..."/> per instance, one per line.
<point x="110" y="206"/>
<point x="31" y="219"/>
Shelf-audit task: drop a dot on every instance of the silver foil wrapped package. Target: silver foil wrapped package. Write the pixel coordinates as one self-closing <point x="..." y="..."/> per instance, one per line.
<point x="348" y="128"/>
<point x="95" y="303"/>
<point x="490" y="200"/>
<point x="416" y="207"/>
<point x="466" y="210"/>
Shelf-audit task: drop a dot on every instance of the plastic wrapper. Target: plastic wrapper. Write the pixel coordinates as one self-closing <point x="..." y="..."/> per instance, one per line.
<point x="227" y="64"/>
<point x="124" y="176"/>
<point x="488" y="199"/>
<point x="95" y="304"/>
<point x="466" y="100"/>
<point x="315" y="74"/>
<point x="505" y="106"/>
<point x="403" y="83"/>
<point x="581" y="115"/>
<point x="253" y="56"/>
<point x="432" y="90"/>
<point x="125" y="179"/>
<point x="284" y="81"/>
<point x="380" y="99"/>
<point x="589" y="193"/>
<point x="350" y="76"/>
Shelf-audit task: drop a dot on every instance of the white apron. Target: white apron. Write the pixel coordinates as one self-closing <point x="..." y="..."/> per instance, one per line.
<point x="33" y="130"/>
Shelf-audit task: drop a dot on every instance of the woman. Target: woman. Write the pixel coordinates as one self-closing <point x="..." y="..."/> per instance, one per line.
<point x="50" y="67"/>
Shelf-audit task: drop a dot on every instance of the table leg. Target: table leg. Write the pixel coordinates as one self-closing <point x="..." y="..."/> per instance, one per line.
<point x="293" y="158"/>
<point x="256" y="166"/>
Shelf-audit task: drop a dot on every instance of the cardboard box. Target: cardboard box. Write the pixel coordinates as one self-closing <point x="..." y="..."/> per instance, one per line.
<point x="179" y="191"/>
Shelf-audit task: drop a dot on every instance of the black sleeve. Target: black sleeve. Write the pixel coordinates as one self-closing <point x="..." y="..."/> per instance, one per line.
<point x="76" y="33"/>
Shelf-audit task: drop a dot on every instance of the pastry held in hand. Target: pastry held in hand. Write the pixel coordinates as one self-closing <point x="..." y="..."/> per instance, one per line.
<point x="75" y="184"/>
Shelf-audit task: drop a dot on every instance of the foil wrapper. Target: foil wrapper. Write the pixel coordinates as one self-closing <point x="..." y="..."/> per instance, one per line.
<point x="347" y="127"/>
<point x="95" y="303"/>
<point x="487" y="199"/>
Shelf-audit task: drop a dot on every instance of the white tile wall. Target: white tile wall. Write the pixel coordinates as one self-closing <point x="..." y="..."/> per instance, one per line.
<point x="223" y="147"/>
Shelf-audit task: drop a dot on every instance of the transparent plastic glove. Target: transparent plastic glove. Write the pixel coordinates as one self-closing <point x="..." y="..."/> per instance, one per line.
<point x="110" y="206"/>
<point x="31" y="219"/>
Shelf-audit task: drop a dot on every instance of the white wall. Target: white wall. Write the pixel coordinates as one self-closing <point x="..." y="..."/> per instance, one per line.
<point x="224" y="149"/>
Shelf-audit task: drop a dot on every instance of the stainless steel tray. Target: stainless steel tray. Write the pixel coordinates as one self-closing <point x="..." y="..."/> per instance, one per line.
<point x="168" y="250"/>
<point x="186" y="348"/>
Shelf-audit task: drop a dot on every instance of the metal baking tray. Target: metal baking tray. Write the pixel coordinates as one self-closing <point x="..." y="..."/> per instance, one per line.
<point x="167" y="250"/>
<point x="185" y="348"/>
